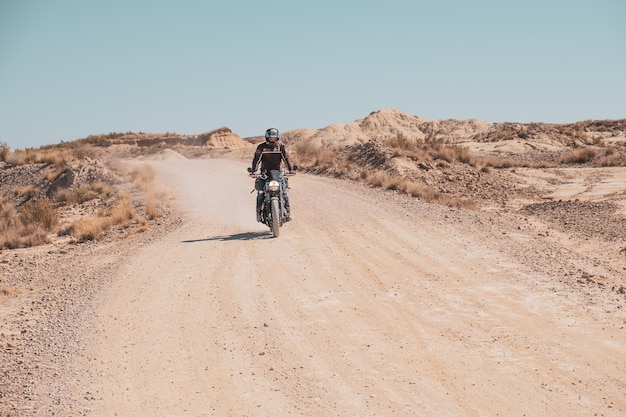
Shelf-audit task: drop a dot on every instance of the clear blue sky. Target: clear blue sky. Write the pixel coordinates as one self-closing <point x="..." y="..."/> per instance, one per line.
<point x="69" y="69"/>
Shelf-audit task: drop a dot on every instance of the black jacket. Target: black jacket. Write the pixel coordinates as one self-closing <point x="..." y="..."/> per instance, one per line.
<point x="270" y="147"/>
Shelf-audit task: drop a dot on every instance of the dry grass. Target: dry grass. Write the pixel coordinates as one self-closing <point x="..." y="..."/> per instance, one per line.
<point x="430" y="150"/>
<point x="39" y="212"/>
<point x="84" y="193"/>
<point x="413" y="188"/>
<point x="319" y="159"/>
<point x="612" y="157"/>
<point x="27" y="227"/>
<point x="88" y="229"/>
<point x="4" y="151"/>
<point x="27" y="191"/>
<point x="143" y="176"/>
<point x="322" y="160"/>
<point x="327" y="161"/>
<point x="578" y="156"/>
<point x="32" y="223"/>
<point x="605" y="156"/>
<point x="121" y="215"/>
<point x="401" y="142"/>
<point x="152" y="200"/>
<point x="52" y="156"/>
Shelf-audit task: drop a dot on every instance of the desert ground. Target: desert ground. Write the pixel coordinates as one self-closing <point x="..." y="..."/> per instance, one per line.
<point x="370" y="303"/>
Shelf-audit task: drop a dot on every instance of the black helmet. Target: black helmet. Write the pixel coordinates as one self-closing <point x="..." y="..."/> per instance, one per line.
<point x="272" y="132"/>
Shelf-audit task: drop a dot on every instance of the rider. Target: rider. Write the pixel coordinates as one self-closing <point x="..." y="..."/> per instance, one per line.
<point x="271" y="144"/>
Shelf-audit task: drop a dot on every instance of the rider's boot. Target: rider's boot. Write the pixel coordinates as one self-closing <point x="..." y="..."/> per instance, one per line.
<point x="287" y="211"/>
<point x="287" y="208"/>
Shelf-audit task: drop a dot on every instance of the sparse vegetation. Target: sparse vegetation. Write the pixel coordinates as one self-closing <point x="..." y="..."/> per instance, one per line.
<point x="84" y="193"/>
<point x="319" y="159"/>
<point x="611" y="158"/>
<point x="4" y="151"/>
<point x="122" y="214"/>
<point x="401" y="142"/>
<point x="429" y="150"/>
<point x="28" y="218"/>
<point x="27" y="227"/>
<point x="432" y="166"/>
<point x="51" y="156"/>
<point x="579" y="156"/>
<point x="143" y="177"/>
<point x="413" y="188"/>
<point x="368" y="167"/>
<point x="39" y="213"/>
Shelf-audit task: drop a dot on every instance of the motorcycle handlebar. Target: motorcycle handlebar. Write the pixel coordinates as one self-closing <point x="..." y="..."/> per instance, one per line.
<point x="262" y="174"/>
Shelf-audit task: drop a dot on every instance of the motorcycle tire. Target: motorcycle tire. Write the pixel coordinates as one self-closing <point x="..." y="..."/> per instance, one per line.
<point x="275" y="218"/>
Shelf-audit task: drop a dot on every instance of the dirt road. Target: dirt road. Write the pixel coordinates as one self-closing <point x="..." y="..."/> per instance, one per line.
<point x="368" y="304"/>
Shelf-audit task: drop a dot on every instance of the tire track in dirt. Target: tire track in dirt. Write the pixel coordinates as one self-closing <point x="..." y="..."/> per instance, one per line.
<point x="379" y="308"/>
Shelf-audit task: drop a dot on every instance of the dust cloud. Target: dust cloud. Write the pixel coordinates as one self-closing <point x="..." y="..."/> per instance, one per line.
<point x="210" y="190"/>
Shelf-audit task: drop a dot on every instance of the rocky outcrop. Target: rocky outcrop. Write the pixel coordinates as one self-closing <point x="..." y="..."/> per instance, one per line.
<point x="222" y="138"/>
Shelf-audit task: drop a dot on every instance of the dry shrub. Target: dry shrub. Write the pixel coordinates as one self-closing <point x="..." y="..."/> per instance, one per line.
<point x="10" y="223"/>
<point x="307" y="154"/>
<point x="17" y="158"/>
<point x="52" y="156"/>
<point x="451" y="153"/>
<point x="152" y="208"/>
<point x="413" y="188"/>
<point x="376" y="178"/>
<point x="319" y="159"/>
<point x="28" y="191"/>
<point x="324" y="160"/>
<point x="422" y="191"/>
<point x="4" y="151"/>
<point x="84" y="193"/>
<point x="82" y="151"/>
<point x="29" y="226"/>
<point x="39" y="212"/>
<point x="55" y="171"/>
<point x="431" y="149"/>
<point x="578" y="156"/>
<point x="611" y="158"/>
<point x="143" y="176"/>
<point x="89" y="229"/>
<point x="401" y="142"/>
<point x="122" y="214"/>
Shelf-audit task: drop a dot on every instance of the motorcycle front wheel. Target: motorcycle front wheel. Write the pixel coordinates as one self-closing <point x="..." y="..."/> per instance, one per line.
<point x="275" y="226"/>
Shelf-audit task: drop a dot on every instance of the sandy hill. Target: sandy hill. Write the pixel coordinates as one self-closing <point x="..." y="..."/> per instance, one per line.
<point x="387" y="123"/>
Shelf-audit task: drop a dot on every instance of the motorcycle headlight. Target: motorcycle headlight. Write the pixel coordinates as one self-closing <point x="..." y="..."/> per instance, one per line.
<point x="274" y="185"/>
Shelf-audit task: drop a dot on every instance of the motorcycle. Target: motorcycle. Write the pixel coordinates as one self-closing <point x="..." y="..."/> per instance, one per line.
<point x="273" y="212"/>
